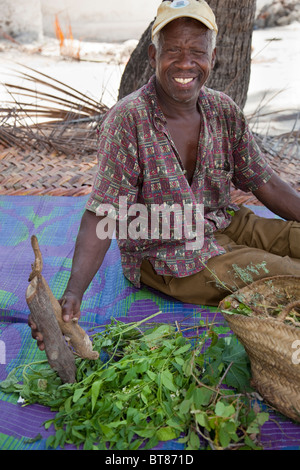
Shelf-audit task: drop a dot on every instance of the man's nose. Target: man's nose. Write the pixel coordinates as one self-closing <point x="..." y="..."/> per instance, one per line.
<point x="185" y="59"/>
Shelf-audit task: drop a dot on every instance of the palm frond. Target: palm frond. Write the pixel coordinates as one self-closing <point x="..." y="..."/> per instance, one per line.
<point x="45" y="113"/>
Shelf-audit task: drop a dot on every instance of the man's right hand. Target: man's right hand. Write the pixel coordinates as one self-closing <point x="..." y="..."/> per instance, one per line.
<point x="70" y="305"/>
<point x="36" y="334"/>
<point x="89" y="253"/>
<point x="70" y="309"/>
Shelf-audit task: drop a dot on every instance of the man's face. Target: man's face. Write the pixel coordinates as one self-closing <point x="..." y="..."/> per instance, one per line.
<point x="183" y="60"/>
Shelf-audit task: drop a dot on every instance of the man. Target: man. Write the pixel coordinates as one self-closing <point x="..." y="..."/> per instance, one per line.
<point x="175" y="142"/>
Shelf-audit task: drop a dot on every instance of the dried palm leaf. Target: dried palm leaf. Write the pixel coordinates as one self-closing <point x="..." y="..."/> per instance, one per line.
<point x="55" y="117"/>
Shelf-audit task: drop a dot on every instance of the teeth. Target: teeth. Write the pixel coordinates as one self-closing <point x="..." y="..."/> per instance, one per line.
<point x="183" y="80"/>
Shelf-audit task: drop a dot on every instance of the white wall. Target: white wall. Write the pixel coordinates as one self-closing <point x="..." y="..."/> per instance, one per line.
<point x="21" y="19"/>
<point x="90" y="20"/>
<point x="100" y="20"/>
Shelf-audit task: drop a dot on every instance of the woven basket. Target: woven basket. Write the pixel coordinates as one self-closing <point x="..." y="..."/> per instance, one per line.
<point x="273" y="346"/>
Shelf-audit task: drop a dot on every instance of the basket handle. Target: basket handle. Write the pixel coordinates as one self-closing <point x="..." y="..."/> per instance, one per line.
<point x="284" y="313"/>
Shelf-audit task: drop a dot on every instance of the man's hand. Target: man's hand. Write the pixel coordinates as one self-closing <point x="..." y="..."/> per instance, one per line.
<point x="36" y="334"/>
<point x="70" y="304"/>
<point x="87" y="259"/>
<point x="70" y="309"/>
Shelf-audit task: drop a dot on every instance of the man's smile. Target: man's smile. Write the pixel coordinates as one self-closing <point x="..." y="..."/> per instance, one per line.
<point x="183" y="81"/>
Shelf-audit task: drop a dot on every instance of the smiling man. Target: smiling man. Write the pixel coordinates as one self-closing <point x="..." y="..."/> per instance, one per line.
<point x="182" y="55"/>
<point x="183" y="51"/>
<point x="175" y="143"/>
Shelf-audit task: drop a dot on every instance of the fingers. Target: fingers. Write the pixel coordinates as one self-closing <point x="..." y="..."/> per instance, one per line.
<point x="70" y="307"/>
<point x="36" y="334"/>
<point x="70" y="310"/>
<point x="40" y="343"/>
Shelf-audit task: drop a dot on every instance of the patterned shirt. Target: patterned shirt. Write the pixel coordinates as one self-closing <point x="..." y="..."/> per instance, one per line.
<point x="139" y="165"/>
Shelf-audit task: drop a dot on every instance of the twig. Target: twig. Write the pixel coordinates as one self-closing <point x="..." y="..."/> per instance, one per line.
<point x="217" y="390"/>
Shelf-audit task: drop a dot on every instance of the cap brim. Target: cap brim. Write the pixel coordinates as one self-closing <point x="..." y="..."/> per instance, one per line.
<point x="204" y="21"/>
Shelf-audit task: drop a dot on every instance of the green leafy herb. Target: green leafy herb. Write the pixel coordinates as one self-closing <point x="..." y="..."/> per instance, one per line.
<point x="153" y="384"/>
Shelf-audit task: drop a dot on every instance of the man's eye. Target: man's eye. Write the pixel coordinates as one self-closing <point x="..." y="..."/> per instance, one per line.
<point x="173" y="50"/>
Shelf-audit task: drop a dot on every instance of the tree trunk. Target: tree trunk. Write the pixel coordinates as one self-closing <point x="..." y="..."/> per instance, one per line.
<point x="235" y="19"/>
<point x="138" y="70"/>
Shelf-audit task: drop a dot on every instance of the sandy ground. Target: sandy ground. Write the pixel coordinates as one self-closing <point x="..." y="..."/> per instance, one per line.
<point x="274" y="91"/>
<point x="97" y="74"/>
<point x="275" y="80"/>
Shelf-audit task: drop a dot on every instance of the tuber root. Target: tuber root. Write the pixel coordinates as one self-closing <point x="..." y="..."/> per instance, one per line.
<point x="47" y="314"/>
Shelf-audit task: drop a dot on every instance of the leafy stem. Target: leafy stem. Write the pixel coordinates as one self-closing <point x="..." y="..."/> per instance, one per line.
<point x="156" y="385"/>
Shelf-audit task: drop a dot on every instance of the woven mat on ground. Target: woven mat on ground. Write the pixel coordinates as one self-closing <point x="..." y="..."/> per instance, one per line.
<point x="48" y="172"/>
<point x="55" y="221"/>
<point x="35" y="173"/>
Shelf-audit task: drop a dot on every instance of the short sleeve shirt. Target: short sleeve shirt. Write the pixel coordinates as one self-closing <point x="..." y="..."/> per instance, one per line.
<point x="140" y="171"/>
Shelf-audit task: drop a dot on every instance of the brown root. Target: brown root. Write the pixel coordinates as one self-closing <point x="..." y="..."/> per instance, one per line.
<point x="58" y="335"/>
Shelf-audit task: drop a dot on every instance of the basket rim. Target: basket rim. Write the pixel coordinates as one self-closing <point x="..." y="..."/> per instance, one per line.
<point x="260" y="319"/>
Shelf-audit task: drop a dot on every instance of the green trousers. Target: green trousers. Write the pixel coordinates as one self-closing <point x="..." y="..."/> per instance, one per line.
<point x="256" y="247"/>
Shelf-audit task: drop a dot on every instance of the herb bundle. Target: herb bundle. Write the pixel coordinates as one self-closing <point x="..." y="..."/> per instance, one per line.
<point x="154" y="383"/>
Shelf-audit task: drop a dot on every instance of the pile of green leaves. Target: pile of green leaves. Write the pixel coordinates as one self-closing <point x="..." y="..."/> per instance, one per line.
<point x="154" y="384"/>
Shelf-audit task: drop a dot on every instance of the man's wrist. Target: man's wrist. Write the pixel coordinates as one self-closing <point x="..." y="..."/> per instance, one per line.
<point x="74" y="289"/>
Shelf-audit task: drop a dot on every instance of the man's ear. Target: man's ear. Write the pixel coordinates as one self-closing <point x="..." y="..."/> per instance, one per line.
<point x="152" y="55"/>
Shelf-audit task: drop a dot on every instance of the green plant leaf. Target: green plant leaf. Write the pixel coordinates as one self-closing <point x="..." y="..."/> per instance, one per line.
<point x="202" y="419"/>
<point x="131" y="374"/>
<point x="167" y="380"/>
<point x="202" y="396"/>
<point x="95" y="392"/>
<point x="182" y="350"/>
<point x="166" y="434"/>
<point x="223" y="410"/>
<point x="147" y="390"/>
<point x="78" y="394"/>
<point x="9" y="384"/>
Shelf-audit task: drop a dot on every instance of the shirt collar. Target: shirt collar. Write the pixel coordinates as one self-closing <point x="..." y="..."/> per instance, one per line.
<point x="159" y="119"/>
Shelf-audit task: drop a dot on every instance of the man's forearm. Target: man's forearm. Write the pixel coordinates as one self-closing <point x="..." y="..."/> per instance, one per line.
<point x="88" y="255"/>
<point x="280" y="198"/>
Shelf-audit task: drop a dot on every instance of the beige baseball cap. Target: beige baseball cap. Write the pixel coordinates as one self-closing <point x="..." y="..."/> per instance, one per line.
<point x="197" y="9"/>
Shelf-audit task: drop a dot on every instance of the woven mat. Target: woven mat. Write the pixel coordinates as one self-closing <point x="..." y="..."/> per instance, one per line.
<point x="55" y="221"/>
<point x="41" y="173"/>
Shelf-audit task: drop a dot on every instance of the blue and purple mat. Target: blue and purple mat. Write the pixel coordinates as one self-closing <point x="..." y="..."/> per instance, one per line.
<point x="55" y="222"/>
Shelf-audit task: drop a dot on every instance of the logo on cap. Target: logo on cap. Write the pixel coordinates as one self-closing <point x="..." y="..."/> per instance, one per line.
<point x="179" y="4"/>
